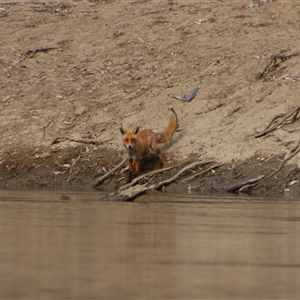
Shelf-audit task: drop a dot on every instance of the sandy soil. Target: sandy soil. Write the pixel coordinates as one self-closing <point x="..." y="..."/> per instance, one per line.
<point x="74" y="72"/>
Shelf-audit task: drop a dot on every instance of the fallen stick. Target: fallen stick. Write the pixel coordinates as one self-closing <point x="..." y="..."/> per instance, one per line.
<point x="289" y="130"/>
<point x="236" y="108"/>
<point x="86" y="141"/>
<point x="273" y="64"/>
<point x="31" y="52"/>
<point x="110" y="173"/>
<point x="293" y="115"/>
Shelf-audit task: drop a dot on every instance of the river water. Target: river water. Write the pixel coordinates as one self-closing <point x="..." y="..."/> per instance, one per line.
<point x="158" y="247"/>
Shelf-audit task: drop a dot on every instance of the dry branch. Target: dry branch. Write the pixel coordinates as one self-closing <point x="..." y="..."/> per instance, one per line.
<point x="273" y="64"/>
<point x="179" y="174"/>
<point x="129" y="192"/>
<point x="236" y="108"/>
<point x="31" y="52"/>
<point x="137" y="179"/>
<point x="110" y="173"/>
<point x="86" y="141"/>
<point x="287" y="118"/>
<point x="127" y="195"/>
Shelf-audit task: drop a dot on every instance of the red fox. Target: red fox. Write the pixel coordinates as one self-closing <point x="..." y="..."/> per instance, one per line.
<point x="138" y="142"/>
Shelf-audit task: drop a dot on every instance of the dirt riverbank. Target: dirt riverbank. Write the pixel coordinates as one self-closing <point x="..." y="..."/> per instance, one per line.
<point x="73" y="72"/>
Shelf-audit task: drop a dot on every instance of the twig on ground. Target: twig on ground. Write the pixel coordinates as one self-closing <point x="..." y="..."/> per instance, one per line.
<point x="287" y="118"/>
<point x="86" y="141"/>
<point x="290" y="130"/>
<point x="268" y="93"/>
<point x="130" y="114"/>
<point x="31" y="52"/>
<point x="273" y="64"/>
<point x="236" y="108"/>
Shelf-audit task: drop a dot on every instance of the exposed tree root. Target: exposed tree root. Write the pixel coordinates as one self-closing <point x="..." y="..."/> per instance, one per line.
<point x="245" y="185"/>
<point x="249" y="184"/>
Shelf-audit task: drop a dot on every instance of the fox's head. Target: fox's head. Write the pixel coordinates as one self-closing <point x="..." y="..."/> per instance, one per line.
<point x="129" y="138"/>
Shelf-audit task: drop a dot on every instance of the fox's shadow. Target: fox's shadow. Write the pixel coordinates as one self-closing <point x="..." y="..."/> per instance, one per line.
<point x="150" y="162"/>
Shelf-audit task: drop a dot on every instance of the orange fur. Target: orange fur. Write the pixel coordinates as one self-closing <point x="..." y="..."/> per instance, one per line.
<point x="138" y="142"/>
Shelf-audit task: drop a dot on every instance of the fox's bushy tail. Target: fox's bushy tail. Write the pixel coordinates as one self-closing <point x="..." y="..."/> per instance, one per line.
<point x="166" y="135"/>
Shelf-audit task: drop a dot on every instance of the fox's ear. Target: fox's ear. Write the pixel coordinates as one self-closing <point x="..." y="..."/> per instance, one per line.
<point x="135" y="131"/>
<point x="123" y="131"/>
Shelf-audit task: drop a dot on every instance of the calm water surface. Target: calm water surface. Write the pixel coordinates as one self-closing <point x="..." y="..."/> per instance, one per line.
<point x="158" y="247"/>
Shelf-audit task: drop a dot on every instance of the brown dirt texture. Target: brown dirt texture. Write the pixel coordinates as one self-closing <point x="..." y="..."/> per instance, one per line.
<point x="73" y="72"/>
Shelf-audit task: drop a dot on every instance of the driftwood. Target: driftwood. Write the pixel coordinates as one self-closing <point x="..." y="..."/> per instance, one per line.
<point x="129" y="192"/>
<point x="279" y="121"/>
<point x="249" y="184"/>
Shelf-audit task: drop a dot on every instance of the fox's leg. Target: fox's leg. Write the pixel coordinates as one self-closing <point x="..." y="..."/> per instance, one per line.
<point x="137" y="166"/>
<point x="156" y="148"/>
<point x="130" y="167"/>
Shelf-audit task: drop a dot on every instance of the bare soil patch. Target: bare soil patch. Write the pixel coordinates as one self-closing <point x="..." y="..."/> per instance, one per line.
<point x="73" y="72"/>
